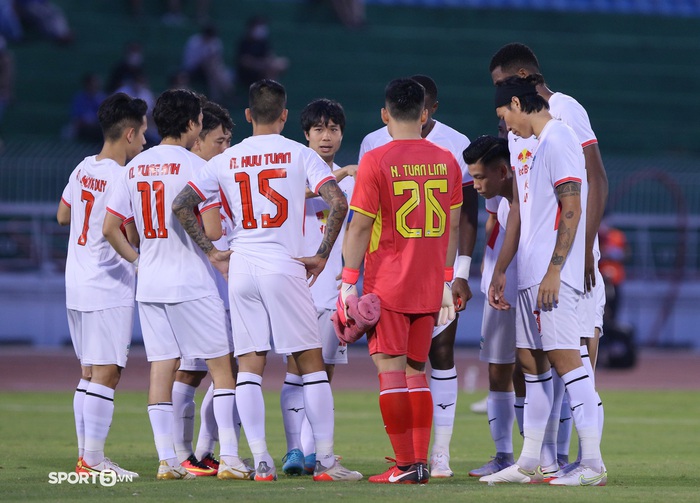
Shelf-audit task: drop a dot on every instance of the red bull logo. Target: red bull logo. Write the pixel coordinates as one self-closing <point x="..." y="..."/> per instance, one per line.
<point x="524" y="156"/>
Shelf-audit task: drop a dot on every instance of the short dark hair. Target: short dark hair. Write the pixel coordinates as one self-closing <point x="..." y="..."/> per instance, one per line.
<point x="118" y="112"/>
<point x="428" y="84"/>
<point x="322" y="111"/>
<point x="529" y="103"/>
<point x="267" y="100"/>
<point x="174" y="110"/>
<point x="405" y="99"/>
<point x="213" y="116"/>
<point x="512" y="57"/>
<point x="487" y="149"/>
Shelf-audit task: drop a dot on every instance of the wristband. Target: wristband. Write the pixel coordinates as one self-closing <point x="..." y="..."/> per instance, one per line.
<point x="462" y="266"/>
<point x="350" y="275"/>
<point x="135" y="263"/>
<point x="449" y="273"/>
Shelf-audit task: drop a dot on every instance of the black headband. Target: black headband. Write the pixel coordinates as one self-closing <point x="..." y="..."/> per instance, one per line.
<point x="505" y="92"/>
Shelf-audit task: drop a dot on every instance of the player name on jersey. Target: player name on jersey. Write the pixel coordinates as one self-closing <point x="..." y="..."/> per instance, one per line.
<point x="168" y="168"/>
<point x="419" y="170"/>
<point x="91" y="183"/>
<point x="249" y="161"/>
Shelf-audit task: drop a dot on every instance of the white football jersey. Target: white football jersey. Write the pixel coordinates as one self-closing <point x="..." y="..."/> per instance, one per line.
<point x="441" y="134"/>
<point x="558" y="158"/>
<point x="97" y="277"/>
<point x="172" y="268"/>
<point x="325" y="290"/>
<point x="500" y="207"/>
<point x="223" y="243"/>
<point x="571" y="112"/>
<point x="264" y="180"/>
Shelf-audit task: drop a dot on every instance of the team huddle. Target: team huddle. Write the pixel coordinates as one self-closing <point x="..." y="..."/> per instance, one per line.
<point x="231" y="251"/>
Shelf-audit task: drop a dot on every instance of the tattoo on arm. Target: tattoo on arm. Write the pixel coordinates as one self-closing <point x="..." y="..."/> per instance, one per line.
<point x="566" y="231"/>
<point x="334" y="197"/>
<point x="183" y="208"/>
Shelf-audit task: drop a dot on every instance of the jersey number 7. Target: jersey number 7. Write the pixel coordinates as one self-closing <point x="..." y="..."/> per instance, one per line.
<point x="269" y="193"/>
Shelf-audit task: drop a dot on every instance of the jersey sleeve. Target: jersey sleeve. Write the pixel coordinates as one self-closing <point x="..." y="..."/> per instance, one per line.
<point x="456" y="198"/>
<point x="66" y="196"/>
<point x="205" y="181"/>
<point x="491" y="205"/>
<point x="565" y="160"/>
<point x="365" y="195"/>
<point x="119" y="203"/>
<point x="576" y="117"/>
<point x="317" y="171"/>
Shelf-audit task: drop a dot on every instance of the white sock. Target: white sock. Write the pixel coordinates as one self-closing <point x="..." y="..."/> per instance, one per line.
<point x="501" y="415"/>
<point x="183" y="419"/>
<point x="224" y="406"/>
<point x="538" y="404"/>
<point x="98" y="410"/>
<point x="161" y="416"/>
<point x="444" y="387"/>
<point x="78" y="400"/>
<point x="518" y="409"/>
<point x="293" y="412"/>
<point x="601" y="416"/>
<point x="251" y="408"/>
<point x="586" y="360"/>
<point x="548" y="455"/>
<point x="565" y="426"/>
<point x="318" y="400"/>
<point x="584" y="408"/>
<point x="307" y="437"/>
<point x="208" y="431"/>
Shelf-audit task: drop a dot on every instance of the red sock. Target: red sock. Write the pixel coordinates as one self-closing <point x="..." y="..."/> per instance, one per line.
<point x="422" y="411"/>
<point x="395" y="405"/>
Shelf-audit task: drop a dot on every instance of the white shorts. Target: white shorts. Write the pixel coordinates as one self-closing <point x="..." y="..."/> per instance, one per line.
<point x="101" y="337"/>
<point x="559" y="328"/>
<point x="497" y="335"/>
<point x="593" y="307"/>
<point x="191" y="329"/>
<point x="334" y="351"/>
<point x="265" y="305"/>
<point x="199" y="365"/>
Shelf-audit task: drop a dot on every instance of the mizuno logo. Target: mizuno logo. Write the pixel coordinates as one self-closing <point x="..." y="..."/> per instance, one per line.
<point x="576" y="406"/>
<point x="296" y="410"/>
<point x="444" y="406"/>
<point x="564" y="419"/>
<point x="342" y="350"/>
<point x="492" y="420"/>
<point x="393" y="478"/>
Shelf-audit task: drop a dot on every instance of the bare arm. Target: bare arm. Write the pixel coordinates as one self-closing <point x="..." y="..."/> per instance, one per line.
<point x="183" y="207"/>
<point x="63" y="214"/>
<point x="357" y="240"/>
<point x="132" y="234"/>
<point x="491" y="222"/>
<point x="211" y="219"/>
<point x="338" y="204"/>
<point x="469" y="220"/>
<point x="597" y="199"/>
<point x="508" y="251"/>
<point x="111" y="230"/>
<point x="569" y="195"/>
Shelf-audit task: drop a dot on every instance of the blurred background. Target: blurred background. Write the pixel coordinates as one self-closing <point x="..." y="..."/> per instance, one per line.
<point x="631" y="63"/>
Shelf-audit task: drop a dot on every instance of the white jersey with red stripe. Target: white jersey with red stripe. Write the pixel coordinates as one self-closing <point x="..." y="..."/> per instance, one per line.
<point x="557" y="159"/>
<point x="97" y="277"/>
<point x="441" y="134"/>
<point x="172" y="268"/>
<point x="264" y="179"/>
<point x="325" y="290"/>
<point x="500" y="207"/>
<point x="571" y="112"/>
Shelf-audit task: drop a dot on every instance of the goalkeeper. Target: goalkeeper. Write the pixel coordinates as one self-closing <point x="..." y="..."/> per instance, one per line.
<point x="407" y="203"/>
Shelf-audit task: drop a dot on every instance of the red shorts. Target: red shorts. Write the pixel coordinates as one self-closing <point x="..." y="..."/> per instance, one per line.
<point x="399" y="334"/>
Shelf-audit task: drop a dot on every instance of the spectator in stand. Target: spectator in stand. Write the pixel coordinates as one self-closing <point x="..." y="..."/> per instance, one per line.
<point x="47" y="17"/>
<point x="127" y="68"/>
<point x="614" y="252"/>
<point x="84" y="125"/>
<point x="203" y="60"/>
<point x="255" y="59"/>
<point x="350" y="12"/>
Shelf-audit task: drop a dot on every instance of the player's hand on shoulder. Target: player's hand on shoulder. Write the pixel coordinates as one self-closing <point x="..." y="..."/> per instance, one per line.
<point x="351" y="170"/>
<point x="314" y="266"/>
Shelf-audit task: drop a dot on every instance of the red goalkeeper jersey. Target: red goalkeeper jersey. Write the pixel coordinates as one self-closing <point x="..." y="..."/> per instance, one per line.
<point x="408" y="187"/>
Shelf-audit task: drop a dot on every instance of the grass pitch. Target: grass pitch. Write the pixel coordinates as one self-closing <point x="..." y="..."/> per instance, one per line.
<point x="650" y="446"/>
